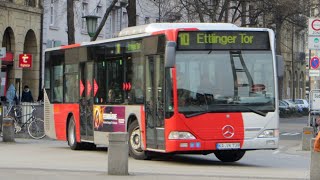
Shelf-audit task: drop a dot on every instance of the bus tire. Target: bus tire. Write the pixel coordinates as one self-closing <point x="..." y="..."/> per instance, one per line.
<point x="74" y="145"/>
<point x="135" y="150"/>
<point x="229" y="155"/>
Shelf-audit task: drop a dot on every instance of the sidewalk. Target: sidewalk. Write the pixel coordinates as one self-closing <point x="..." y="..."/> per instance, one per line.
<point x="48" y="159"/>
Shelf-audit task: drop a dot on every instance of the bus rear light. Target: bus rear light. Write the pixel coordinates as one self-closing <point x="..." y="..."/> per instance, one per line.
<point x="270" y="133"/>
<point x="174" y="135"/>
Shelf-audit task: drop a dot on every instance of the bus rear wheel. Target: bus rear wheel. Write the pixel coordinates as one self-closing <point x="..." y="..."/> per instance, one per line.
<point x="230" y="155"/>
<point x="74" y="145"/>
<point x="135" y="149"/>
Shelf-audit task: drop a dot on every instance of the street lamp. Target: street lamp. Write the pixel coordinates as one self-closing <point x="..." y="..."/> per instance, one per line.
<point x="91" y="21"/>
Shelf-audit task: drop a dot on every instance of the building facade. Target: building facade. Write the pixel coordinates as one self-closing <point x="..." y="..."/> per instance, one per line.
<point x="20" y="29"/>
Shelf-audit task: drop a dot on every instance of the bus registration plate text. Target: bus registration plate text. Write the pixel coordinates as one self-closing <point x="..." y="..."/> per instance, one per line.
<point x="228" y="145"/>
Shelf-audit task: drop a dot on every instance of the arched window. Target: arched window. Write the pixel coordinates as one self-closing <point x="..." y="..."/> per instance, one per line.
<point x="289" y="87"/>
<point x="301" y="84"/>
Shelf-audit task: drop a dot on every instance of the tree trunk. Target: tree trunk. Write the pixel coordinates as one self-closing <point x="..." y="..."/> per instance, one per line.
<point x="132" y="12"/>
<point x="104" y="19"/>
<point x="70" y="22"/>
<point x="199" y="11"/>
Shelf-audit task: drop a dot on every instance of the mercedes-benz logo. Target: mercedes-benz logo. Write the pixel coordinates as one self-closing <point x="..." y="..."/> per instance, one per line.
<point x="228" y="131"/>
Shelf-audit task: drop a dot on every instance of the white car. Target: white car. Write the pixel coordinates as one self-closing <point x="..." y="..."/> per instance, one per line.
<point x="302" y="103"/>
<point x="291" y="104"/>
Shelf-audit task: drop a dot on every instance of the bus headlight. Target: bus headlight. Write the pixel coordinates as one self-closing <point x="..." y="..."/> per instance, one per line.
<point x="180" y="135"/>
<point x="269" y="133"/>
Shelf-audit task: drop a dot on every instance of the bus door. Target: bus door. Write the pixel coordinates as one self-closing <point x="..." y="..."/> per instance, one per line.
<point x="86" y="101"/>
<point x="154" y="107"/>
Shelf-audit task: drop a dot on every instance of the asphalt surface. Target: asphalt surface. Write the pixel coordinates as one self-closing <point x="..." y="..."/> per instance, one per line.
<point x="30" y="159"/>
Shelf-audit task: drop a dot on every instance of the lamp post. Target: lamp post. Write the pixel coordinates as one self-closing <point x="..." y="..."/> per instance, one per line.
<point x="91" y="21"/>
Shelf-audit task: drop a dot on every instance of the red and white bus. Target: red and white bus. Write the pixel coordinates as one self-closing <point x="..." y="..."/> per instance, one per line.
<point x="195" y="88"/>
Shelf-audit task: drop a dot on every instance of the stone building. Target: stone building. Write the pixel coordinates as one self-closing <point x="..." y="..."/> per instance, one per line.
<point x="20" y="29"/>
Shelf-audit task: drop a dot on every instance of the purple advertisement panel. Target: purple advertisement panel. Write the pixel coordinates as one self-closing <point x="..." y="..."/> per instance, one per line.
<point x="109" y="118"/>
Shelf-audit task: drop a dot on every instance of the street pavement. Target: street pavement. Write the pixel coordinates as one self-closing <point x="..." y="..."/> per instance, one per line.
<point x="48" y="159"/>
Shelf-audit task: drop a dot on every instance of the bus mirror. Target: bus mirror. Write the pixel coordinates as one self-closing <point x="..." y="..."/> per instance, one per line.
<point x="170" y="55"/>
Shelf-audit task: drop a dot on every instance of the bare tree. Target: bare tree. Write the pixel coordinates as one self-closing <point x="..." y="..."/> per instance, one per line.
<point x="70" y="22"/>
<point x="132" y="11"/>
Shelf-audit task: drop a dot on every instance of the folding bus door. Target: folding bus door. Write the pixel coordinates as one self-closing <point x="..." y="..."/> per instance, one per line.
<point x="154" y="77"/>
<point x="86" y="101"/>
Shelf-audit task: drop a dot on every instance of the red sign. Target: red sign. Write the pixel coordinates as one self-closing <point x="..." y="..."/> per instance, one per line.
<point x="315" y="24"/>
<point x="126" y="86"/>
<point x="89" y="87"/>
<point x="95" y="87"/>
<point x="9" y="57"/>
<point x="25" y="60"/>
<point x="81" y="88"/>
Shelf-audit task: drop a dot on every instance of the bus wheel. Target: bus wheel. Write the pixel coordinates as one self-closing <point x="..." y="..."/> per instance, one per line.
<point x="74" y="145"/>
<point x="229" y="155"/>
<point x="135" y="150"/>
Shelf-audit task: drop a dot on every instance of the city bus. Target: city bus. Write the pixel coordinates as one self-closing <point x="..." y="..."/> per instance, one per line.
<point x="175" y="88"/>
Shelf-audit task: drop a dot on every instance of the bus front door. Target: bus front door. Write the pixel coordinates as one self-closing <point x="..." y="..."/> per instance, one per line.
<point x="86" y="101"/>
<point x="154" y="78"/>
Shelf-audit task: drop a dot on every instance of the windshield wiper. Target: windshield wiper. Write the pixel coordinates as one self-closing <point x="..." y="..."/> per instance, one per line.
<point x="207" y="111"/>
<point x="196" y="114"/>
<point x="254" y="110"/>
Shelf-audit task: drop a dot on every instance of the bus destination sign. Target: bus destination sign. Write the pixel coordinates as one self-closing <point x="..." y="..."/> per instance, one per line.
<point x="224" y="40"/>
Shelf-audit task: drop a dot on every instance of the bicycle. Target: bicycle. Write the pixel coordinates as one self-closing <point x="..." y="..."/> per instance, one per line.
<point x="35" y="126"/>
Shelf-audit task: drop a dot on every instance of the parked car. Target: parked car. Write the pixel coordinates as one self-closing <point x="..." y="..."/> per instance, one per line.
<point x="303" y="103"/>
<point x="293" y="106"/>
<point x="284" y="106"/>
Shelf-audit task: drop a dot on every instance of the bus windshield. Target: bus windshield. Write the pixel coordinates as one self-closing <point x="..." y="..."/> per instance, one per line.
<point x="225" y="81"/>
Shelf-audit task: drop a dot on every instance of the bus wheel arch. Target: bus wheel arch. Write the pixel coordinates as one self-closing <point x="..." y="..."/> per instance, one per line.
<point x="229" y="155"/>
<point x="134" y="133"/>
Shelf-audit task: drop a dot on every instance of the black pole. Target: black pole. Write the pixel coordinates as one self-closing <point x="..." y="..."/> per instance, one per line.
<point x="293" y="74"/>
<point x="41" y="55"/>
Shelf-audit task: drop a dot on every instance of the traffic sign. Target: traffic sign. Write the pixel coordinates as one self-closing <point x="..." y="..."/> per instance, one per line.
<point x="314" y="26"/>
<point x="314" y="72"/>
<point x="314" y="42"/>
<point x="314" y="62"/>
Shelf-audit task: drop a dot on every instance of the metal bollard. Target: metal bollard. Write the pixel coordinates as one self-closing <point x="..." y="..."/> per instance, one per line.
<point x="7" y="129"/>
<point x="307" y="135"/>
<point x="118" y="153"/>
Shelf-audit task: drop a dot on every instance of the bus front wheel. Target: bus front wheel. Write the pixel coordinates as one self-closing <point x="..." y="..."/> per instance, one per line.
<point x="229" y="155"/>
<point x="74" y="145"/>
<point x="135" y="149"/>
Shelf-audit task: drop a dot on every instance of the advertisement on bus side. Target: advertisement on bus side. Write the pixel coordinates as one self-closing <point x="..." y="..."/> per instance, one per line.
<point x="109" y="118"/>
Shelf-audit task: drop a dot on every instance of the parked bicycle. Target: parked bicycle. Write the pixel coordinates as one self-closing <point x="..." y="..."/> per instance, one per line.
<point x="34" y="125"/>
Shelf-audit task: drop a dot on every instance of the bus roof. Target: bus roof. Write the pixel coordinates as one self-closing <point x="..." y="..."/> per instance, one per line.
<point x="154" y="27"/>
<point x="148" y="29"/>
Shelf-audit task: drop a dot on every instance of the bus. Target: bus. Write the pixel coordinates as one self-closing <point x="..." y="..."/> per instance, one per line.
<point x="176" y="88"/>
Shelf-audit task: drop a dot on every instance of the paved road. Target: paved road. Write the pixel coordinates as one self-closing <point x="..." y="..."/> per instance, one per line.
<point x="48" y="159"/>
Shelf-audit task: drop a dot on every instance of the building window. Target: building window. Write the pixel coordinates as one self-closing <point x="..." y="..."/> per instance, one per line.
<point x="52" y="13"/>
<point x="137" y="19"/>
<point x="31" y="3"/>
<point x="84" y="11"/>
<point x="147" y="20"/>
<point x="99" y="13"/>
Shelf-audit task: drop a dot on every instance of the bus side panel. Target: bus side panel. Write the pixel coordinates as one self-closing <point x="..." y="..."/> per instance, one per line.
<point x="49" y="125"/>
<point x="143" y="128"/>
<point x="61" y="112"/>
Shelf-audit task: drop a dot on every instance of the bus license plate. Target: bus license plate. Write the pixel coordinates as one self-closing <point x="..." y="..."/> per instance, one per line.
<point x="228" y="145"/>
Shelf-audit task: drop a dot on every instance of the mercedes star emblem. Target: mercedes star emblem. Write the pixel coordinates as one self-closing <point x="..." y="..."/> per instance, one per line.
<point x="228" y="131"/>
